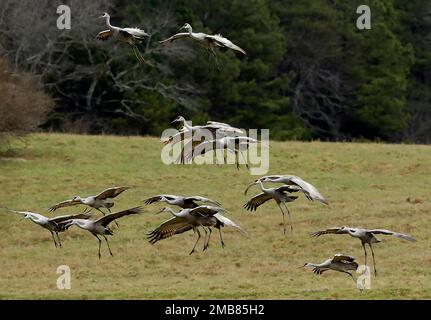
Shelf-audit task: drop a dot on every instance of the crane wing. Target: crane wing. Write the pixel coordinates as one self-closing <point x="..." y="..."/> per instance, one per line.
<point x="226" y="43"/>
<point x="111" y="193"/>
<point x="105" y="220"/>
<point x="227" y="222"/>
<point x="309" y="189"/>
<point x="290" y="189"/>
<point x="206" y="210"/>
<point x="159" y="198"/>
<point x="329" y="231"/>
<point x="70" y="217"/>
<point x="177" y="36"/>
<point x="342" y="257"/>
<point x="202" y="199"/>
<point x="256" y="201"/>
<point x="104" y="35"/>
<point x="392" y="233"/>
<point x="67" y="203"/>
<point x="169" y="228"/>
<point x="136" y="32"/>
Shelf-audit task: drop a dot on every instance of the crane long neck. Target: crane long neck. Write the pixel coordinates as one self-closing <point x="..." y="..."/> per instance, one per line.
<point x="175" y="214"/>
<point x="108" y="22"/>
<point x="186" y="125"/>
<point x="261" y="186"/>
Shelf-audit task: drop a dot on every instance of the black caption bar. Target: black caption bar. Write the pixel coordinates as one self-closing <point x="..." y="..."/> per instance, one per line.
<point x="204" y="309"/>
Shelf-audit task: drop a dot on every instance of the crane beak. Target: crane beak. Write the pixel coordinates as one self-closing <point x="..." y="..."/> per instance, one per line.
<point x="249" y="186"/>
<point x="158" y="212"/>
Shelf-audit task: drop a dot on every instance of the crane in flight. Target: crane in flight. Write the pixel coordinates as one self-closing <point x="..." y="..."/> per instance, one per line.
<point x="367" y="236"/>
<point x="340" y="262"/>
<point x="131" y="36"/>
<point x="51" y="224"/>
<point x="99" y="227"/>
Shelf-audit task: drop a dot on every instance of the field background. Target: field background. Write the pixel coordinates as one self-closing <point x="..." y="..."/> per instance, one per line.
<point x="369" y="185"/>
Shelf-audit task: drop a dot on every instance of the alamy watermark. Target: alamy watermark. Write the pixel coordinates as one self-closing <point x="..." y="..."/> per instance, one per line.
<point x="363" y="282"/>
<point x="64" y="281"/>
<point x="64" y="21"/>
<point x="364" y="20"/>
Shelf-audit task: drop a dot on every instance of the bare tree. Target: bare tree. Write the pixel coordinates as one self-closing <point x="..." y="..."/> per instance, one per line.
<point x="89" y="77"/>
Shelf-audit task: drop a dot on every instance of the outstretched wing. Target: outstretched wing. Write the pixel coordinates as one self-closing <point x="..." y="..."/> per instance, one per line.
<point x="70" y="217"/>
<point x="342" y="257"/>
<point x="177" y="36"/>
<point x="159" y="198"/>
<point x="111" y="193"/>
<point x="227" y="222"/>
<point x="290" y="189"/>
<point x="173" y="226"/>
<point x="202" y="199"/>
<point x="310" y="190"/>
<point x="105" y="220"/>
<point x="392" y="233"/>
<point x="136" y="32"/>
<point x="67" y="203"/>
<point x="223" y="42"/>
<point x="206" y="210"/>
<point x="329" y="231"/>
<point x="104" y="35"/>
<point x="257" y="201"/>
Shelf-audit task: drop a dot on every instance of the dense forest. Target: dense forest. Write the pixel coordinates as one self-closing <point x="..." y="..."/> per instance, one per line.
<point x="309" y="73"/>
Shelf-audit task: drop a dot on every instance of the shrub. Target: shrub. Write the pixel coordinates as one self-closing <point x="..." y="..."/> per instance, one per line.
<point x="23" y="105"/>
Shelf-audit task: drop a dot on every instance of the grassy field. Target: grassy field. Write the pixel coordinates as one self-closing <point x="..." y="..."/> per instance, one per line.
<point x="368" y="185"/>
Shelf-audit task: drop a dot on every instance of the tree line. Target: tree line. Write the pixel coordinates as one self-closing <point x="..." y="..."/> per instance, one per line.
<point x="309" y="73"/>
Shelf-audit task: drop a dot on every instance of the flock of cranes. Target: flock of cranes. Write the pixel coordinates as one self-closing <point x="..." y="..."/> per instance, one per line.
<point x="134" y="36"/>
<point x="199" y="213"/>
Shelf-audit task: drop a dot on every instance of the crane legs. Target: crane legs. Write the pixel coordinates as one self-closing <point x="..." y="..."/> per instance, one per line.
<point x="284" y="221"/>
<point x="59" y="242"/>
<point x="290" y="217"/>
<point x="221" y="238"/>
<point x="365" y="251"/>
<point x="374" y="261"/>
<point x="138" y="54"/>
<point x="109" y="248"/>
<point x="210" y="51"/>
<point x="53" y="238"/>
<point x="100" y="243"/>
<point x="245" y="161"/>
<point x="207" y="244"/>
<point x="196" y="230"/>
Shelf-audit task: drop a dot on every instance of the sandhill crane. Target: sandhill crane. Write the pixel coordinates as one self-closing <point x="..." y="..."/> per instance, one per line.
<point x="340" y="262"/>
<point x="214" y="128"/>
<point x="51" y="224"/>
<point x="95" y="202"/>
<point x="183" y="202"/>
<point x="232" y="144"/>
<point x="100" y="226"/>
<point x="365" y="235"/>
<point x="208" y="41"/>
<point x="192" y="219"/>
<point x="199" y="133"/>
<point x="131" y="36"/>
<point x="279" y="195"/>
<point x="309" y="190"/>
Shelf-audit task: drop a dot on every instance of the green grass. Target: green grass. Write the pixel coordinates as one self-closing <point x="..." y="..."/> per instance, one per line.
<point x="366" y="184"/>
